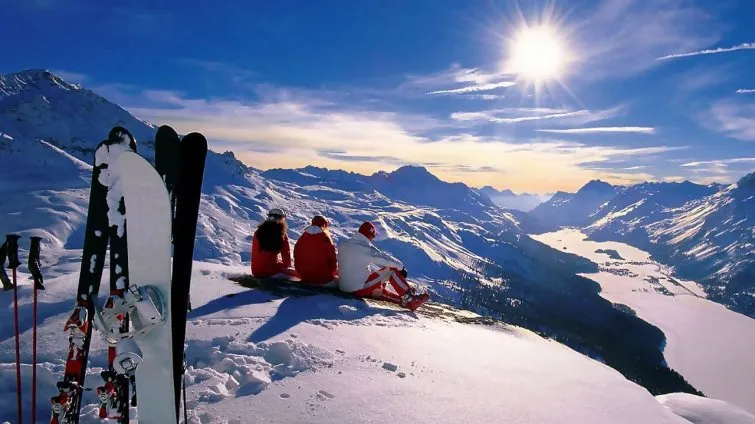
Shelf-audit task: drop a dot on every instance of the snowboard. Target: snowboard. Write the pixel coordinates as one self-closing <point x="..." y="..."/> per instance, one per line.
<point x="149" y="224"/>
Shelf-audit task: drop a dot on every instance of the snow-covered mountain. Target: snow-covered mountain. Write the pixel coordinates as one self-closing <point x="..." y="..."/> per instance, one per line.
<point x="451" y="237"/>
<point x="440" y="230"/>
<point x="38" y="105"/>
<point x="704" y="231"/>
<point x="566" y="209"/>
<point x="508" y="199"/>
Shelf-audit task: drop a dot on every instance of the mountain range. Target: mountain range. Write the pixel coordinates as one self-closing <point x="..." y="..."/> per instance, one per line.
<point x="454" y="239"/>
<point x="508" y="199"/>
<point x="706" y="232"/>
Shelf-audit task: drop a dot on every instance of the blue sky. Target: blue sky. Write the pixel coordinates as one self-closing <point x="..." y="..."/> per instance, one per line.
<point x="621" y="90"/>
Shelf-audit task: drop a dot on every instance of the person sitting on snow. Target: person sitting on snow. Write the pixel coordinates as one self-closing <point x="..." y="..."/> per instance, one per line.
<point x="271" y="253"/>
<point x="356" y="257"/>
<point x="315" y="255"/>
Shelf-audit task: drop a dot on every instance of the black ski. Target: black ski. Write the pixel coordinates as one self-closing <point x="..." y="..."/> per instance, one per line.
<point x="192" y="156"/>
<point x="166" y="160"/>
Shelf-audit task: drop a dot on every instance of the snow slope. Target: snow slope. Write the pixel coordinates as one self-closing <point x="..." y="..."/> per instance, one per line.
<point x="254" y="357"/>
<point x="709" y="344"/>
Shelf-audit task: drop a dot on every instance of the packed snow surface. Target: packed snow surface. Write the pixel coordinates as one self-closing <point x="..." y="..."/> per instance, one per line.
<point x="254" y="357"/>
<point x="711" y="346"/>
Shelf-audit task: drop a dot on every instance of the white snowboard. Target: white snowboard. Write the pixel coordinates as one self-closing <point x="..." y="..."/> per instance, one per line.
<point x="148" y="227"/>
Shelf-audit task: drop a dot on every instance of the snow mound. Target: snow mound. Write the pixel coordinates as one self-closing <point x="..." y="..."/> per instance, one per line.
<point x="225" y="366"/>
<point x="700" y="410"/>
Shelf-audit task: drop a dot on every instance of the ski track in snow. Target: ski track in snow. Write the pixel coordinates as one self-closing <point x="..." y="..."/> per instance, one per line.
<point x="708" y="344"/>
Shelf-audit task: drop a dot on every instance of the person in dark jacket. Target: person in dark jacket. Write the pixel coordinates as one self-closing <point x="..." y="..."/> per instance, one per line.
<point x="271" y="253"/>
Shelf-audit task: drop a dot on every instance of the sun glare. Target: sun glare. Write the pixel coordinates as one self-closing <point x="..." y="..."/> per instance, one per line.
<point x="537" y="54"/>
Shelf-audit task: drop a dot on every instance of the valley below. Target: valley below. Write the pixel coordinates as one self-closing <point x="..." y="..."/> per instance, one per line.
<point x="710" y="345"/>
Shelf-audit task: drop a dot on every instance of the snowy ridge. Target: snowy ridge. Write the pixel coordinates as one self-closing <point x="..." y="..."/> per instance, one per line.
<point x="704" y="231"/>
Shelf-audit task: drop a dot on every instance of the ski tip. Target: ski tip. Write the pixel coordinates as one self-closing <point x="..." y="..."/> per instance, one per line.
<point x="195" y="138"/>
<point x="167" y="130"/>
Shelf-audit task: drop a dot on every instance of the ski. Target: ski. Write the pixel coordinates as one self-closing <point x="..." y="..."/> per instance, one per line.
<point x="147" y="299"/>
<point x="193" y="153"/>
<point x="103" y="224"/>
<point x="166" y="160"/>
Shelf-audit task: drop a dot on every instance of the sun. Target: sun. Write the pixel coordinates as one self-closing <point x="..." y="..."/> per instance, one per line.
<point x="537" y="54"/>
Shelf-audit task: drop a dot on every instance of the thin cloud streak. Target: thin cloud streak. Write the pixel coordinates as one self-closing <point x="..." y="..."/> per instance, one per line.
<point x="743" y="46"/>
<point x="720" y="162"/>
<point x="600" y="130"/>
<point x="745" y="91"/>
<point x="476" y="88"/>
<point x="485" y="116"/>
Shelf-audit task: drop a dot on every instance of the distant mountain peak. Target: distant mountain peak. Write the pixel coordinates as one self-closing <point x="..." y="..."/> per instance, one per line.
<point x="596" y="185"/>
<point x="747" y="182"/>
<point x="17" y="82"/>
<point x="413" y="171"/>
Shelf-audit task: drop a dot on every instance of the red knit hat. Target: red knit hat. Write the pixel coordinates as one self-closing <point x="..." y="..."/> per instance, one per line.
<point x="320" y="221"/>
<point x="368" y="230"/>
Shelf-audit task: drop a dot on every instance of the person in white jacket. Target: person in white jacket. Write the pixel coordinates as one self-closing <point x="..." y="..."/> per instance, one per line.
<point x="365" y="271"/>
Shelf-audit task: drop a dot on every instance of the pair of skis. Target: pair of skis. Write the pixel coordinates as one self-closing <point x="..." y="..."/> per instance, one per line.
<point x="180" y="163"/>
<point x="9" y="251"/>
<point x="127" y="191"/>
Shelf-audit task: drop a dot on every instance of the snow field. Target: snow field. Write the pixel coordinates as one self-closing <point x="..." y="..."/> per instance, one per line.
<point x="710" y="345"/>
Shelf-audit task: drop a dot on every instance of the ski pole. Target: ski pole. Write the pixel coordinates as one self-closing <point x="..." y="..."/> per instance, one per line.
<point x="36" y="273"/>
<point x="13" y="263"/>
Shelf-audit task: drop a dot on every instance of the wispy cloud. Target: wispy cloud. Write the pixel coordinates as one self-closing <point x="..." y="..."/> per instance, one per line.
<point x="529" y="114"/>
<point x="457" y="80"/>
<point x="488" y="116"/>
<point x="745" y="91"/>
<point x="719" y="162"/>
<point x="476" y="88"/>
<point x="743" y="46"/>
<point x="600" y="130"/>
<point x="624" y="37"/>
<point x="702" y="78"/>
<point x="734" y="119"/>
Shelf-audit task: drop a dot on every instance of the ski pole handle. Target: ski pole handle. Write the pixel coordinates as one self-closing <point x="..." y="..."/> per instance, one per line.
<point x="12" y="240"/>
<point x="7" y="285"/>
<point x="34" y="262"/>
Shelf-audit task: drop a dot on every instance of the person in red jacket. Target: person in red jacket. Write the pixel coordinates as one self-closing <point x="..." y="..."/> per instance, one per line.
<point x="271" y="253"/>
<point x="315" y="255"/>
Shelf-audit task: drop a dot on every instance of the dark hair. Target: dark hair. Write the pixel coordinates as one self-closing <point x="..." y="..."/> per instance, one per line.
<point x="270" y="234"/>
